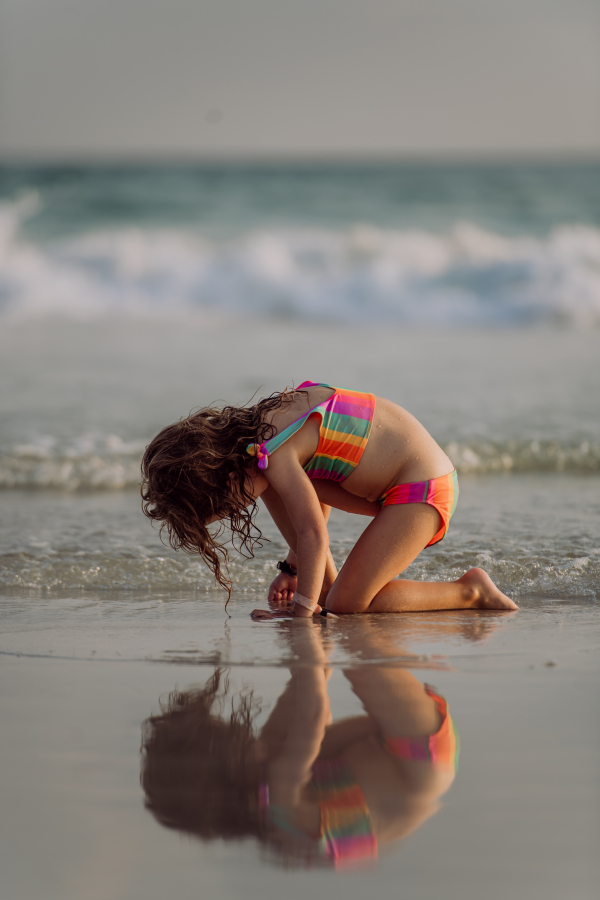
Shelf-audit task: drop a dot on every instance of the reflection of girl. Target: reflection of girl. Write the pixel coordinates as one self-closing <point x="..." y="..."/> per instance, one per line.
<point x="305" y="787"/>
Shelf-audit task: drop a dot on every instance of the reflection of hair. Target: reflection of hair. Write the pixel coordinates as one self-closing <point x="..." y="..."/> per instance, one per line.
<point x="195" y="764"/>
<point x="186" y="478"/>
<point x="196" y="775"/>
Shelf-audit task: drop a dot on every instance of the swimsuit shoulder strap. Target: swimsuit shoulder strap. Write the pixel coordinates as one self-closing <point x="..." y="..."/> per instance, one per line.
<point x="264" y="450"/>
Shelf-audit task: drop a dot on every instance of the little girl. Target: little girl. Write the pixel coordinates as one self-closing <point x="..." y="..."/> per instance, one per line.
<point x="303" y="451"/>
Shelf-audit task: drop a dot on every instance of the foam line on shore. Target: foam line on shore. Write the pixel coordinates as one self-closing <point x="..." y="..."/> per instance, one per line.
<point x="109" y="463"/>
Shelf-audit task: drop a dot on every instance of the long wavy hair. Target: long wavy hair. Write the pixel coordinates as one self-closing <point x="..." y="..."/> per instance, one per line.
<point x="197" y="772"/>
<point x="200" y="771"/>
<point x="194" y="472"/>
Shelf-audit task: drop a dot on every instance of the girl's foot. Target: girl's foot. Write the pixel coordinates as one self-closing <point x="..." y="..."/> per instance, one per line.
<point x="485" y="594"/>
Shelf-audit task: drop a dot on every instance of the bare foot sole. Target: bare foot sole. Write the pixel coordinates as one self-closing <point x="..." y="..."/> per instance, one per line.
<point x="485" y="593"/>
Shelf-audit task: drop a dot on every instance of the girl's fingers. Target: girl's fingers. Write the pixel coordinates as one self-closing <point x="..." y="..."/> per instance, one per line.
<point x="281" y="602"/>
<point x="262" y="615"/>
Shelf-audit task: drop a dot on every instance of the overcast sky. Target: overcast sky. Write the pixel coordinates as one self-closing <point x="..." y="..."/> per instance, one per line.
<point x="205" y="78"/>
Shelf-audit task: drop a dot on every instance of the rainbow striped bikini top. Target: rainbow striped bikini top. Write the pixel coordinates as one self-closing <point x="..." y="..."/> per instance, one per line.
<point x="346" y="419"/>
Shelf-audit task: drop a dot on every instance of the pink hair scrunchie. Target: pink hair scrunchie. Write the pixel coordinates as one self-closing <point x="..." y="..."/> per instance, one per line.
<point x="261" y="453"/>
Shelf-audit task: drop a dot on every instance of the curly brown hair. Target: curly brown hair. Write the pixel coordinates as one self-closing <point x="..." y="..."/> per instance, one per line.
<point x="187" y="474"/>
<point x="200" y="771"/>
<point x="196" y="769"/>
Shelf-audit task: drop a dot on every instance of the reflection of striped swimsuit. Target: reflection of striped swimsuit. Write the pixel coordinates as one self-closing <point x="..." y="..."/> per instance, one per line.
<point x="347" y="834"/>
<point x="440" y="749"/>
<point x="346" y="420"/>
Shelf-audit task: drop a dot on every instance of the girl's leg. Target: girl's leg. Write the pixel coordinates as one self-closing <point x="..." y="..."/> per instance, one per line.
<point x="400" y="706"/>
<point x="389" y="545"/>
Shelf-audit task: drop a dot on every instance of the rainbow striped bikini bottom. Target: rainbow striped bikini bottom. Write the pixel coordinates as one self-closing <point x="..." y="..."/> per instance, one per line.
<point x="441" y="749"/>
<point x="441" y="493"/>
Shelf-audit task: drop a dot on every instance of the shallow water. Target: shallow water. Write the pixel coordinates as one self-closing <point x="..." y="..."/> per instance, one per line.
<point x="74" y="566"/>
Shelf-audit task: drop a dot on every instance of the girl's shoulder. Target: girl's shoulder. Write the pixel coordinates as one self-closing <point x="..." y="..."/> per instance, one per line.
<point x="303" y="400"/>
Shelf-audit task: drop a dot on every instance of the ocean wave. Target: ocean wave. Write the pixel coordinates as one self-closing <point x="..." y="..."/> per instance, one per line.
<point x="521" y="572"/>
<point x="465" y="276"/>
<point x="482" y="457"/>
<point x="93" y="463"/>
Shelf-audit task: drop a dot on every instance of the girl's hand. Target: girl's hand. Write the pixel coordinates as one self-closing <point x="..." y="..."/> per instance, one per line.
<point x="281" y="591"/>
<point x="263" y="615"/>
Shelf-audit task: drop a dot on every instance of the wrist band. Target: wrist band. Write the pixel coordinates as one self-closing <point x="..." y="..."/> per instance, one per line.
<point x="284" y="566"/>
<point x="305" y="602"/>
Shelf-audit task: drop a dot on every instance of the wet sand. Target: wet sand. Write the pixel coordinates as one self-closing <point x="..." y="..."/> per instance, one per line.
<point x="521" y="818"/>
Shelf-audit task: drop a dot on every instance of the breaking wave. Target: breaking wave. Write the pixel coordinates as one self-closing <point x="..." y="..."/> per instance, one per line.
<point x="97" y="463"/>
<point x="521" y="571"/>
<point x="465" y="276"/>
<point x="482" y="457"/>
<point x="88" y="463"/>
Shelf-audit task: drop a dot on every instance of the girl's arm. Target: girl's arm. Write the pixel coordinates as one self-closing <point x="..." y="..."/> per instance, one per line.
<point x="329" y="494"/>
<point x="293" y="486"/>
<point x="333" y="494"/>
<point x="280" y="516"/>
<point x="308" y="714"/>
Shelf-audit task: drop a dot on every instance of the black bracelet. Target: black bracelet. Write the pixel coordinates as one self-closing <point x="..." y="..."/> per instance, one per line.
<point x="284" y="566"/>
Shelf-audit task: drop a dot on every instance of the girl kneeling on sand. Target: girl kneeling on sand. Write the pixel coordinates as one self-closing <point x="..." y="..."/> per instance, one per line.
<point x="303" y="451"/>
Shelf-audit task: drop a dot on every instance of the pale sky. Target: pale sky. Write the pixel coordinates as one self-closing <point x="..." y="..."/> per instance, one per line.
<point x="86" y="79"/>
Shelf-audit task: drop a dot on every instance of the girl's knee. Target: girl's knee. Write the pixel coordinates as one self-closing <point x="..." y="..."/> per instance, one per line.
<point x="347" y="602"/>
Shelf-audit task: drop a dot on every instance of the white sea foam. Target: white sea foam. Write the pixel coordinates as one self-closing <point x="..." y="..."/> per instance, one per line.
<point x="90" y="462"/>
<point x="69" y="565"/>
<point x="466" y="276"/>
<point x="534" y="535"/>
<point x="107" y="463"/>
